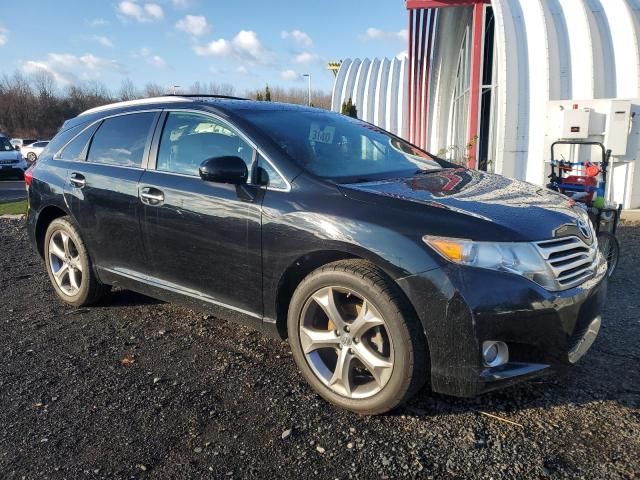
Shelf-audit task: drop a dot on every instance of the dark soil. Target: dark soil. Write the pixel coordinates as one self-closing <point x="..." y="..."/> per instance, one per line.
<point x="139" y="388"/>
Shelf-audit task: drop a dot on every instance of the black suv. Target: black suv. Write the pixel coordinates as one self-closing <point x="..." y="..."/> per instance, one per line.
<point x="383" y="265"/>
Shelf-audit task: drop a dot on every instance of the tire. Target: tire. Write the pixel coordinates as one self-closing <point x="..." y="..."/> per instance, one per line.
<point x="78" y="285"/>
<point x="399" y="340"/>
<point x="32" y="157"/>
<point x="610" y="248"/>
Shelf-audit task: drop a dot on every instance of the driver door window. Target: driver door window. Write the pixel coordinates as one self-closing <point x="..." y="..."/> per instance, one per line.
<point x="190" y="138"/>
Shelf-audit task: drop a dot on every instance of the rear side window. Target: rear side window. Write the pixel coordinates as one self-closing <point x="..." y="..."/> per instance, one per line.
<point x="121" y="140"/>
<point x="76" y="150"/>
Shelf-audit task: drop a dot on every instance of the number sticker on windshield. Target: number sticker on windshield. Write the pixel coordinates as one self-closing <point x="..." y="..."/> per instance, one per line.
<point x="321" y="135"/>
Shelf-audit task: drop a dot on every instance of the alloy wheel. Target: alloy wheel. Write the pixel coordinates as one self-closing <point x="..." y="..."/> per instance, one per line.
<point x="65" y="263"/>
<point x="346" y="342"/>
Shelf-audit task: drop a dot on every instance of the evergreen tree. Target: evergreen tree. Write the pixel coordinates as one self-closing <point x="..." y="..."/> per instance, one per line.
<point x="259" y="97"/>
<point x="349" y="108"/>
<point x="267" y="94"/>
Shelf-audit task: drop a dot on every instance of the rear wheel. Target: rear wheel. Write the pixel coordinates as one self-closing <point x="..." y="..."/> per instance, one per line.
<point x="610" y="248"/>
<point x="354" y="338"/>
<point x="69" y="266"/>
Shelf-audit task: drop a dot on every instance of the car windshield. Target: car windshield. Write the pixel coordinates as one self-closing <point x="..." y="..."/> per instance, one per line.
<point x="340" y="148"/>
<point x="5" y="144"/>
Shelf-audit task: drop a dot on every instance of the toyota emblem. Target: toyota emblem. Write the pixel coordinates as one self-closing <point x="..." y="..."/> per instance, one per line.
<point x="584" y="229"/>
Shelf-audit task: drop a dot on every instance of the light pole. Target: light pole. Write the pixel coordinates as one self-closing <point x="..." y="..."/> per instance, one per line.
<point x="308" y="75"/>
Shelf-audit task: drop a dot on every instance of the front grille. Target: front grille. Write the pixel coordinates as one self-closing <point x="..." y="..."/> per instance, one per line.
<point x="571" y="260"/>
<point x="7" y="162"/>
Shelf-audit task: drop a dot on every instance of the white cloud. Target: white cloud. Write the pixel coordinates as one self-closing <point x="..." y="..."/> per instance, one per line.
<point x="97" y="22"/>
<point x="67" y="68"/>
<point x="195" y="25"/>
<point x="4" y="36"/>
<point x="305" y="57"/>
<point x="144" y="13"/>
<point x="181" y="3"/>
<point x="289" y="75"/>
<point x="242" y="69"/>
<point x="102" y="40"/>
<point x="217" y="48"/>
<point x="157" y="61"/>
<point x="402" y="54"/>
<point x="244" y="45"/>
<point x="148" y="56"/>
<point x="298" y="36"/>
<point x="246" y="41"/>
<point x="377" y="34"/>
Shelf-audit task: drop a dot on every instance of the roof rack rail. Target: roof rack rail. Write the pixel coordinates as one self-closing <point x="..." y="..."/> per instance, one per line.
<point x="141" y="101"/>
<point x="205" y="95"/>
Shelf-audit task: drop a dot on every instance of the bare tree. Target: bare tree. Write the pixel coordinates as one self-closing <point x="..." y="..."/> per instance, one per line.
<point x="128" y="90"/>
<point x="153" y="90"/>
<point x="35" y="106"/>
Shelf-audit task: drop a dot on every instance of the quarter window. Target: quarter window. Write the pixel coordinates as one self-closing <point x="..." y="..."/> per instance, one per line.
<point x="269" y="177"/>
<point x="76" y="149"/>
<point x="121" y="140"/>
<point x="188" y="139"/>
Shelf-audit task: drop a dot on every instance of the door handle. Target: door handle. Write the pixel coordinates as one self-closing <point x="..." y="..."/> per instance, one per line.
<point x="151" y="196"/>
<point x="77" y="180"/>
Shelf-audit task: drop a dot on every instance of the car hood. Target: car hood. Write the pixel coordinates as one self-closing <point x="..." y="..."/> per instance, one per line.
<point x="512" y="209"/>
<point x="9" y="155"/>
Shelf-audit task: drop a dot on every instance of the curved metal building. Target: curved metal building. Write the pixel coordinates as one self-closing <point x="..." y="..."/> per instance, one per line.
<point x="378" y="88"/>
<point x="493" y="84"/>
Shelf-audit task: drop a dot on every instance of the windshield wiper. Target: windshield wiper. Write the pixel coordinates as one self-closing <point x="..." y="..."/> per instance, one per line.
<point x="426" y="172"/>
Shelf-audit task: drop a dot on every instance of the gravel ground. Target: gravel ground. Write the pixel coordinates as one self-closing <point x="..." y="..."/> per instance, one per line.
<point x="138" y="388"/>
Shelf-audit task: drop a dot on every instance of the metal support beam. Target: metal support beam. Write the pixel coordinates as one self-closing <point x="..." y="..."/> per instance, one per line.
<point x="475" y="82"/>
<point x="418" y="4"/>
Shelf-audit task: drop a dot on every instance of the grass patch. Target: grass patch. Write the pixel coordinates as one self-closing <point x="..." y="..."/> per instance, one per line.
<point x="13" y="208"/>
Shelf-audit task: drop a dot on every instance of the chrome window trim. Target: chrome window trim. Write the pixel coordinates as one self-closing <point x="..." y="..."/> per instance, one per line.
<point x="244" y="137"/>
<point x="241" y="134"/>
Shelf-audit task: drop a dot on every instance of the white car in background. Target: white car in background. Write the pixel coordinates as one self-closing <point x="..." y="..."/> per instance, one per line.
<point x="22" y="142"/>
<point x="33" y="151"/>
<point x="11" y="161"/>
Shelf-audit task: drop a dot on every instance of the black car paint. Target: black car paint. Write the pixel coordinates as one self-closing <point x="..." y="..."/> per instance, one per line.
<point x="238" y="251"/>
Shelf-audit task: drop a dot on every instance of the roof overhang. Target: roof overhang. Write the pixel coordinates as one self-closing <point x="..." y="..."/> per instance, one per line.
<point x="419" y="4"/>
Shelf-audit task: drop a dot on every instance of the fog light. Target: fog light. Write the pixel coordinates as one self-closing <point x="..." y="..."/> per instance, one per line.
<point x="494" y="353"/>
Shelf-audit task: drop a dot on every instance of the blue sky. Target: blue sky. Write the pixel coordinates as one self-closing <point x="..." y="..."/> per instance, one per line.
<point x="246" y="43"/>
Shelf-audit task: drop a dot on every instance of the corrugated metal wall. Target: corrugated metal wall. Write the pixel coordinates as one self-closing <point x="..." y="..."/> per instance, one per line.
<point x="378" y="88"/>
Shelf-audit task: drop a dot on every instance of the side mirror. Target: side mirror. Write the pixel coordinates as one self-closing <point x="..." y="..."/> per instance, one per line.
<point x="16" y="147"/>
<point x="229" y="169"/>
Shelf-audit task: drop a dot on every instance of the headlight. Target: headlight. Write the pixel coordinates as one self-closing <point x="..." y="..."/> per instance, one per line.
<point x="519" y="258"/>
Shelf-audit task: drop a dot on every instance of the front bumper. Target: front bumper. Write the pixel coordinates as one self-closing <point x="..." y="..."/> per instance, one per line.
<point x="13" y="168"/>
<point x="461" y="307"/>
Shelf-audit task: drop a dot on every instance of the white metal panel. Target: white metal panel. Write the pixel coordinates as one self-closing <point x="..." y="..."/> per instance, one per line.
<point x="338" y="86"/>
<point x="624" y="36"/>
<point x="380" y="94"/>
<point x="538" y="92"/>
<point x="370" y="83"/>
<point x="581" y="48"/>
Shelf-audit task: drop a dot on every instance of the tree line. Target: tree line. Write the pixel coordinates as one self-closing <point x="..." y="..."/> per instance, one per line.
<point x="34" y="106"/>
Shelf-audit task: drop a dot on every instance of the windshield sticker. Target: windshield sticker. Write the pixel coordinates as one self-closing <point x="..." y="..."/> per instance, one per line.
<point x="321" y="135"/>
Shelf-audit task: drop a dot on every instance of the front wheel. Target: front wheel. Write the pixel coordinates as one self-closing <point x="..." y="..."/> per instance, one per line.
<point x="69" y="266"/>
<point x="610" y="249"/>
<point x="355" y="338"/>
<point x="32" y="157"/>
